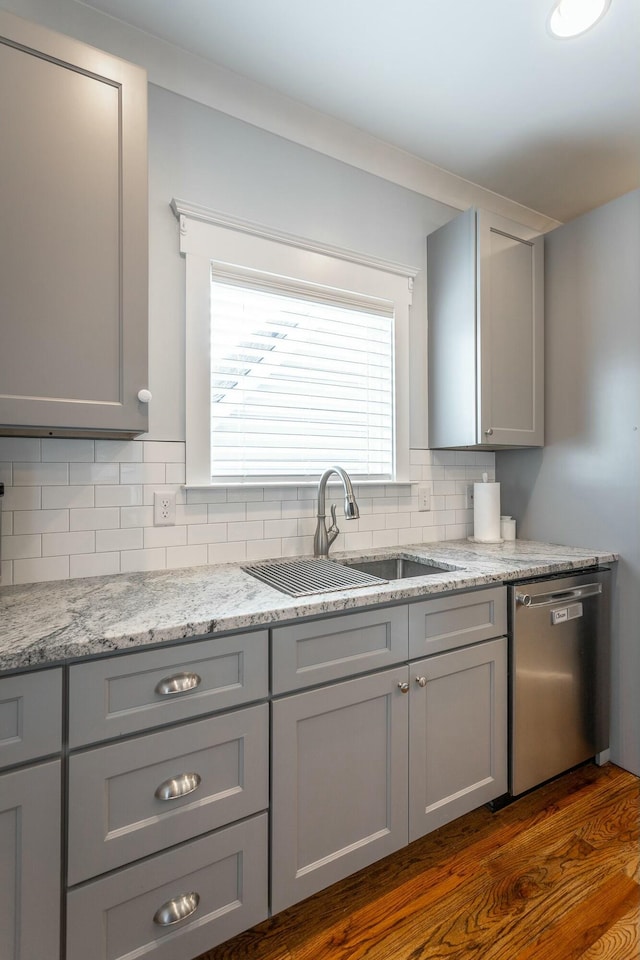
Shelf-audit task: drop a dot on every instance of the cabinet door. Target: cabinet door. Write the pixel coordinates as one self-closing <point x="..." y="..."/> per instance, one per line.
<point x="30" y="863"/>
<point x="510" y="324"/>
<point x="339" y="782"/>
<point x="73" y="236"/>
<point x="457" y="734"/>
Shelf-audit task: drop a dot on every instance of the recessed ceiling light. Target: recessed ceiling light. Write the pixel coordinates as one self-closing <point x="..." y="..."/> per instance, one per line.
<point x="569" y="18"/>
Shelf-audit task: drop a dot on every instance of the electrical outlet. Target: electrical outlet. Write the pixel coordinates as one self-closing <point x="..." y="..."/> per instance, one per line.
<point x="164" y="509"/>
<point x="468" y="497"/>
<point x="424" y="496"/>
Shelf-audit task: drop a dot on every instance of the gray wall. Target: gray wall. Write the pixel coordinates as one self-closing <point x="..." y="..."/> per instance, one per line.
<point x="583" y="487"/>
<point x="205" y="157"/>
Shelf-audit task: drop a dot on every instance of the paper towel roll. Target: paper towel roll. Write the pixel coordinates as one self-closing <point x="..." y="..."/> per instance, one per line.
<point x="486" y="512"/>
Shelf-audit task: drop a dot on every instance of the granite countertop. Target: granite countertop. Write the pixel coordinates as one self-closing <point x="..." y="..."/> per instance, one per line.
<point x="47" y="623"/>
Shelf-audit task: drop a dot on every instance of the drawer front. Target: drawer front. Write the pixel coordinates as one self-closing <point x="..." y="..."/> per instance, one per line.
<point x="330" y="649"/>
<point x="134" y="798"/>
<point x="124" y="694"/>
<point x="30" y="716"/>
<point x="445" y="623"/>
<point x="227" y="871"/>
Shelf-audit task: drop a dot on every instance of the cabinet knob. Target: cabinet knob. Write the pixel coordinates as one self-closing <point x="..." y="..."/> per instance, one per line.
<point x="177" y="909"/>
<point x="421" y="681"/>
<point x="403" y="686"/>
<point x="489" y="432"/>
<point x="180" y="786"/>
<point x="179" y="683"/>
<point x="144" y="396"/>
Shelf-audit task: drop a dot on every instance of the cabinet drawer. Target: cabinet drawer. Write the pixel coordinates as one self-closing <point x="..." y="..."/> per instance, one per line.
<point x="30" y="716"/>
<point x="330" y="649"/>
<point x="227" y="870"/>
<point x="125" y="694"/>
<point x="445" y="623"/>
<point x="215" y="771"/>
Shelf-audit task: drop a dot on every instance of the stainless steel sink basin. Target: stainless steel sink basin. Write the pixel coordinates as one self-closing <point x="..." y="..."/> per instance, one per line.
<point x="397" y="567"/>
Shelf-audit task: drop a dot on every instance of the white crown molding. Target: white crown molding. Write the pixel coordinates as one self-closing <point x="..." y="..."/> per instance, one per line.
<point x="201" y="80"/>
<point x="194" y="211"/>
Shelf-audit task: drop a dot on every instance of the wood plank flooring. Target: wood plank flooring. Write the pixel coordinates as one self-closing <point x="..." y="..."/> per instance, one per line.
<point x="553" y="876"/>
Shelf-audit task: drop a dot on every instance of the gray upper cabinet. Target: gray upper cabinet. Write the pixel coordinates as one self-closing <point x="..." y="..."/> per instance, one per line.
<point x="73" y="237"/>
<point x="486" y="337"/>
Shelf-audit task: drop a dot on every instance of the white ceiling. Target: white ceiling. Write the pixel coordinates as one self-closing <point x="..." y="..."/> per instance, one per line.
<point x="478" y="88"/>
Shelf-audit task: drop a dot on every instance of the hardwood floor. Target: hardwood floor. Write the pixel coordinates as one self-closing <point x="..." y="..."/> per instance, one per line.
<point x="553" y="876"/>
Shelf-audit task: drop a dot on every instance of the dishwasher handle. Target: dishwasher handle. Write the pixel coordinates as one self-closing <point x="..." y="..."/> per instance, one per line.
<point x="546" y="599"/>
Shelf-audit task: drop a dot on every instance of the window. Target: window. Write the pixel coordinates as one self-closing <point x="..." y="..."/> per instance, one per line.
<point x="296" y="358"/>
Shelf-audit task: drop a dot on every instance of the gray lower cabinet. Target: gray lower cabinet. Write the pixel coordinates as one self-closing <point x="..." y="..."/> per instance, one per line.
<point x="175" y="905"/>
<point x="136" y="797"/>
<point x="30" y="862"/>
<point x="361" y="767"/>
<point x="339" y="782"/>
<point x="73" y="236"/>
<point x="457" y="733"/>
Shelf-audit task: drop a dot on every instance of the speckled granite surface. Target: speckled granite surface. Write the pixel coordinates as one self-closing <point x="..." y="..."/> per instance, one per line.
<point x="51" y="622"/>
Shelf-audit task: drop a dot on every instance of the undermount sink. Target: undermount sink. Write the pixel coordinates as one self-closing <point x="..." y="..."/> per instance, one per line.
<point x="398" y="567"/>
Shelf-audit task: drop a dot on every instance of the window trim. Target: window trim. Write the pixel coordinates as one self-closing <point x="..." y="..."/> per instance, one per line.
<point x="208" y="236"/>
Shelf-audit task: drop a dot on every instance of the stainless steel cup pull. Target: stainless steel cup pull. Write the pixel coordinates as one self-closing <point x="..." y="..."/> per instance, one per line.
<point x="173" y="911"/>
<point x="180" y="786"/>
<point x="179" y="683"/>
<point x="545" y="599"/>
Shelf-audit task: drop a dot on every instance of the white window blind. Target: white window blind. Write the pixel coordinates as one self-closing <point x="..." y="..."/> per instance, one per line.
<point x="298" y="382"/>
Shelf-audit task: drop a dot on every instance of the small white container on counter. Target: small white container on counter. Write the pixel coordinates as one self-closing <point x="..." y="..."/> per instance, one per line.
<point x="507" y="528"/>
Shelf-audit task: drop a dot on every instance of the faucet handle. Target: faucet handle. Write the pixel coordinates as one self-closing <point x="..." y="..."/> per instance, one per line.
<point x="333" y="530"/>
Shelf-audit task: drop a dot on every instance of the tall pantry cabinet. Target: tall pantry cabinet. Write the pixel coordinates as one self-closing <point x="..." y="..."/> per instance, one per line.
<point x="73" y="237"/>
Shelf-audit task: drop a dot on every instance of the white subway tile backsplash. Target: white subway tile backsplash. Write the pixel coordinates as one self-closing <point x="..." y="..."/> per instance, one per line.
<point x="195" y="556"/>
<point x="6" y="572"/>
<point x="98" y="518"/>
<point x="40" y="570"/>
<point x="94" y="564"/>
<point x="264" y="549"/>
<point x="121" y="495"/>
<point x="63" y="450"/>
<point x="40" y="521"/>
<point x="19" y="448"/>
<point x="142" y="473"/>
<point x="175" y="473"/>
<point x="108" y="541"/>
<point x="226" y="512"/>
<point x="119" y="451"/>
<point x="40" y="474"/>
<point x="136" y="560"/>
<point x="88" y="473"/>
<point x="54" y="498"/>
<point x="249" y="530"/>
<point x="76" y="507"/>
<point x="23" y="498"/>
<point x="163" y="451"/>
<point x="206" y="533"/>
<point x="189" y="513"/>
<point x="227" y="552"/>
<point x="63" y="544"/>
<point x="138" y="516"/>
<point x="21" y="547"/>
<point x="165" y="536"/>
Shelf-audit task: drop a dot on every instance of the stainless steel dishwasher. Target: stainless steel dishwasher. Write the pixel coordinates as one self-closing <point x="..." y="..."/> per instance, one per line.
<point x="559" y="675"/>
